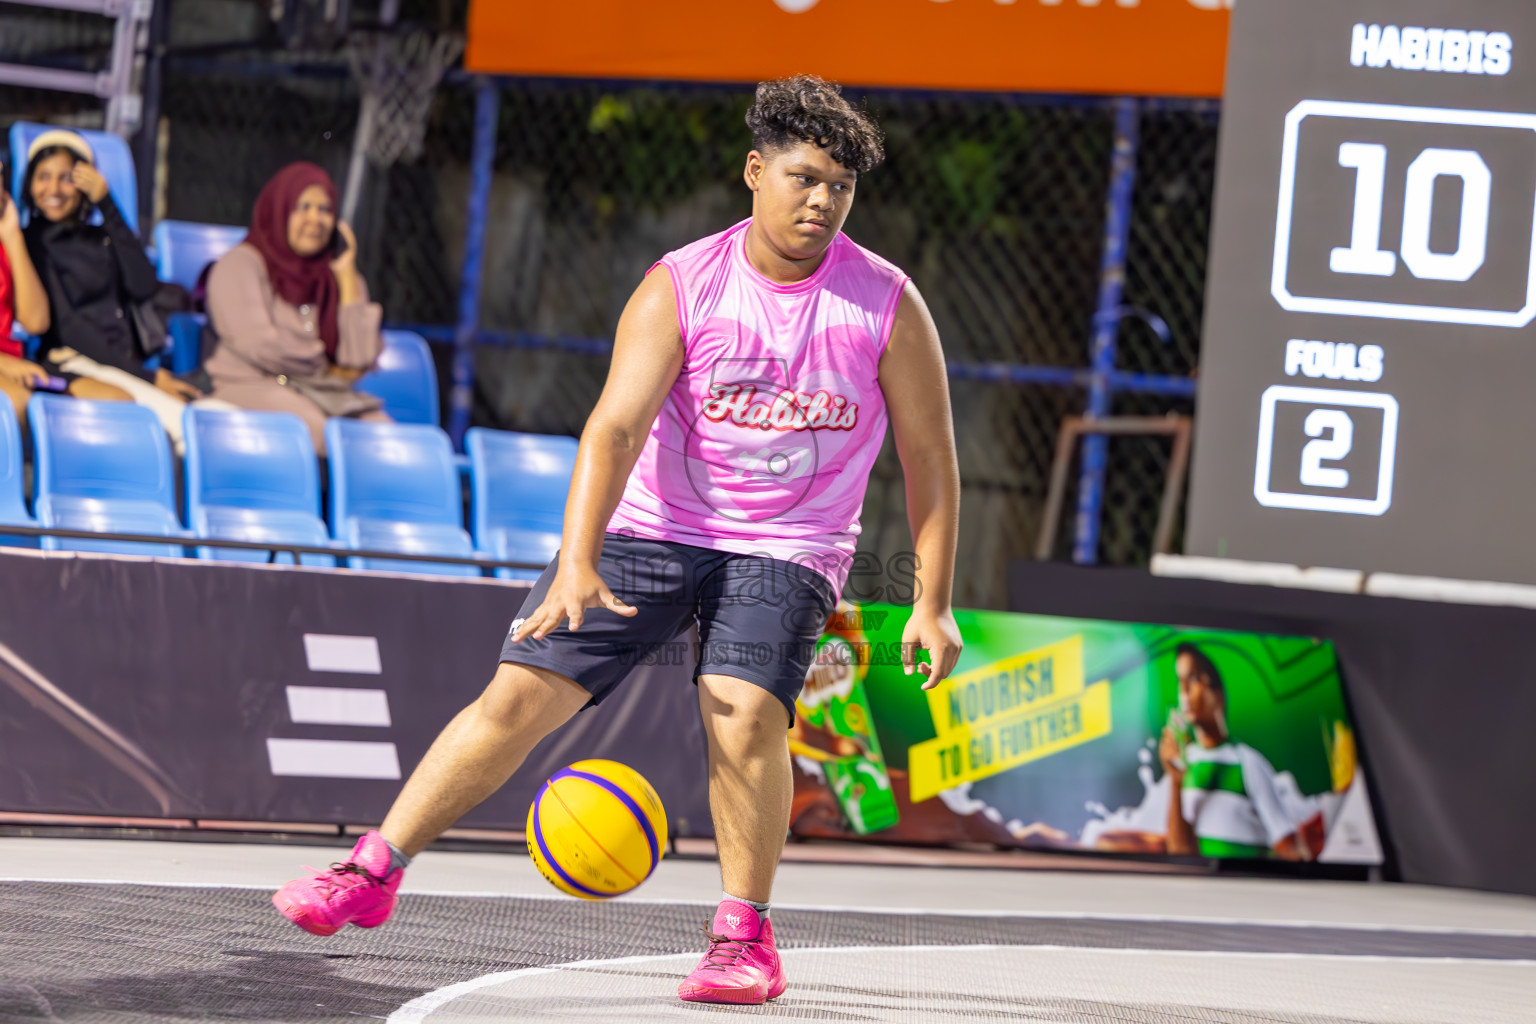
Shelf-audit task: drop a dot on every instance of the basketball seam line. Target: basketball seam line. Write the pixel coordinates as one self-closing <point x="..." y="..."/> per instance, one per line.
<point x="613" y="788"/>
<point x="549" y="858"/>
<point x="577" y="822"/>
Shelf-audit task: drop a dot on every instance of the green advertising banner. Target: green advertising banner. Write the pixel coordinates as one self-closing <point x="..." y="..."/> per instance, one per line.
<point x="1079" y="734"/>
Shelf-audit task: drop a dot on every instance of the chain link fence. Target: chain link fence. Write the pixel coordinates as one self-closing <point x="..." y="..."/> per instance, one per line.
<point x="79" y="39"/>
<point x="72" y="40"/>
<point x="994" y="204"/>
<point x="230" y="128"/>
<point x="1164" y="275"/>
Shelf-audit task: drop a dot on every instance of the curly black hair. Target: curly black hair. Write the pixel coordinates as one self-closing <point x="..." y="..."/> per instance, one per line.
<point x="805" y="108"/>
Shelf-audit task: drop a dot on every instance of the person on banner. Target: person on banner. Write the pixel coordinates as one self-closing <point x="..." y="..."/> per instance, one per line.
<point x="293" y="328"/>
<point x="719" y="482"/>
<point x="1223" y="800"/>
<point x="104" y="328"/>
<point x="24" y="302"/>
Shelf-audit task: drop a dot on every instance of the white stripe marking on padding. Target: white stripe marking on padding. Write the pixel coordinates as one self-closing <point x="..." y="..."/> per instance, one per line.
<point x="327" y="653"/>
<point x="335" y="705"/>
<point x="333" y="759"/>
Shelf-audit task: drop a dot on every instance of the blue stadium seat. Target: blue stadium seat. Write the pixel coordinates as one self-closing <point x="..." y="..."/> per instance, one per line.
<point x="13" y="498"/>
<point x="405" y="378"/>
<point x="394" y="487"/>
<point x="186" y="331"/>
<point x="519" y="483"/>
<point x="183" y="249"/>
<point x="113" y="159"/>
<point x="103" y="466"/>
<point x="253" y="476"/>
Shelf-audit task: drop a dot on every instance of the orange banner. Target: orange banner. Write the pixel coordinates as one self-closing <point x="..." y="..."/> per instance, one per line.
<point x="1121" y="47"/>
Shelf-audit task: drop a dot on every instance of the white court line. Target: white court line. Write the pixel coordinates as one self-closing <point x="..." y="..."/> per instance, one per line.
<point x="119" y="881"/>
<point x="1039" y="915"/>
<point x="418" y="1009"/>
<point x="1092" y="915"/>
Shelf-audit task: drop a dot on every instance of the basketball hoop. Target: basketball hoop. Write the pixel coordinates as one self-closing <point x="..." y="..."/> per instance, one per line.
<point x="399" y="73"/>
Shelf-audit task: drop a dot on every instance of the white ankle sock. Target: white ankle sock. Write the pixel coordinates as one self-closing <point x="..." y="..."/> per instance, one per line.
<point x="761" y="908"/>
<point x="397" y="859"/>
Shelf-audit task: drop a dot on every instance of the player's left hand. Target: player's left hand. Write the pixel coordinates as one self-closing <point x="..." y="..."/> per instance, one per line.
<point x="936" y="633"/>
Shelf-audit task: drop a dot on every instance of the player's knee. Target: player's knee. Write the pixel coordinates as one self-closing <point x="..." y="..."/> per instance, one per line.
<point x="520" y="697"/>
<point x="742" y="716"/>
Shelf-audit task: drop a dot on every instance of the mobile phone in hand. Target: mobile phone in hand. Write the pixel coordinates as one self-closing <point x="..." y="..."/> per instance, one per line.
<point x="338" y="244"/>
<point x="57" y="385"/>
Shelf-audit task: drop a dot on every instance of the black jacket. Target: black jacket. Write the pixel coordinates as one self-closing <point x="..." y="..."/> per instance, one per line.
<point x="94" y="274"/>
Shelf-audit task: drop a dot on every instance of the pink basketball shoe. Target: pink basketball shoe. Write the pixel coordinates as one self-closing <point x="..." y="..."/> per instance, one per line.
<point x="742" y="965"/>
<point x="361" y="891"/>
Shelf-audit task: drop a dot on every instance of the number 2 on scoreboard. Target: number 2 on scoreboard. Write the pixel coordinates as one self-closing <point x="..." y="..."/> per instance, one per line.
<point x="1335" y="422"/>
<point x="1324" y="416"/>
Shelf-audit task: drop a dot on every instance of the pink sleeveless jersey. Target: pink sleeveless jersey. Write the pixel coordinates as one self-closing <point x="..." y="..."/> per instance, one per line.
<point x="765" y="443"/>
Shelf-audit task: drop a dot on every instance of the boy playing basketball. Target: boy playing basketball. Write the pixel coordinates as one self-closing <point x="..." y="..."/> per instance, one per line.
<point x="719" y="482"/>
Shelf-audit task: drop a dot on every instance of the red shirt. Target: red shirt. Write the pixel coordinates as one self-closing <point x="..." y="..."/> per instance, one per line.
<point x="7" y="308"/>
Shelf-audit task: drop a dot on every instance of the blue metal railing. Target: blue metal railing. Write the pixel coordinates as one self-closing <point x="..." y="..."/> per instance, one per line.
<point x="482" y="160"/>
<point x="1106" y="329"/>
<point x="995" y="373"/>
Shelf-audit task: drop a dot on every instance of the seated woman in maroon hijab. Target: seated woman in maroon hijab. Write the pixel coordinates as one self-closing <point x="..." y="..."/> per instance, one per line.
<point x="293" y="325"/>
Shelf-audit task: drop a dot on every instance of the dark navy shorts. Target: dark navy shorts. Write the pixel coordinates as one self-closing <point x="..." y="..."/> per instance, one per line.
<point x="759" y="618"/>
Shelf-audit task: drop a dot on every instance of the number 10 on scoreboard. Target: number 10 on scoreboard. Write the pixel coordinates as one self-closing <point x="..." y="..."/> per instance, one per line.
<point x="1435" y="177"/>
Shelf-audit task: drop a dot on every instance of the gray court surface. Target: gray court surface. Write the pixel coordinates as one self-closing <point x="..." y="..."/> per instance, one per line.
<point x="121" y="931"/>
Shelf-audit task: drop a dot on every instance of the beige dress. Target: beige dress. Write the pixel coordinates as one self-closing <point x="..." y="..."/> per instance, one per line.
<point x="262" y="340"/>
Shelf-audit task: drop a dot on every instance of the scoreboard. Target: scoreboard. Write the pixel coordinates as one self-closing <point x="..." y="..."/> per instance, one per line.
<point x="1367" y="393"/>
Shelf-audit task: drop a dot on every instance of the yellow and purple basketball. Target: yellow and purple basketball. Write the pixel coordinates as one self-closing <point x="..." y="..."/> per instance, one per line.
<point x="596" y="830"/>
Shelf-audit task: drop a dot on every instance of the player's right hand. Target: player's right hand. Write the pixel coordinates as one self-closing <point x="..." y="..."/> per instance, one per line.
<point x="570" y="594"/>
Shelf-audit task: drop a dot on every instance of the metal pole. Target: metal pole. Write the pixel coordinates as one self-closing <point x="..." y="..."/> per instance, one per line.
<point x="124" y="104"/>
<point x="357" y="164"/>
<point x="87" y="83"/>
<point x="1106" y="325"/>
<point x="146" y="142"/>
<point x="482" y="162"/>
<point x="367" y="116"/>
<point x="105" y="8"/>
